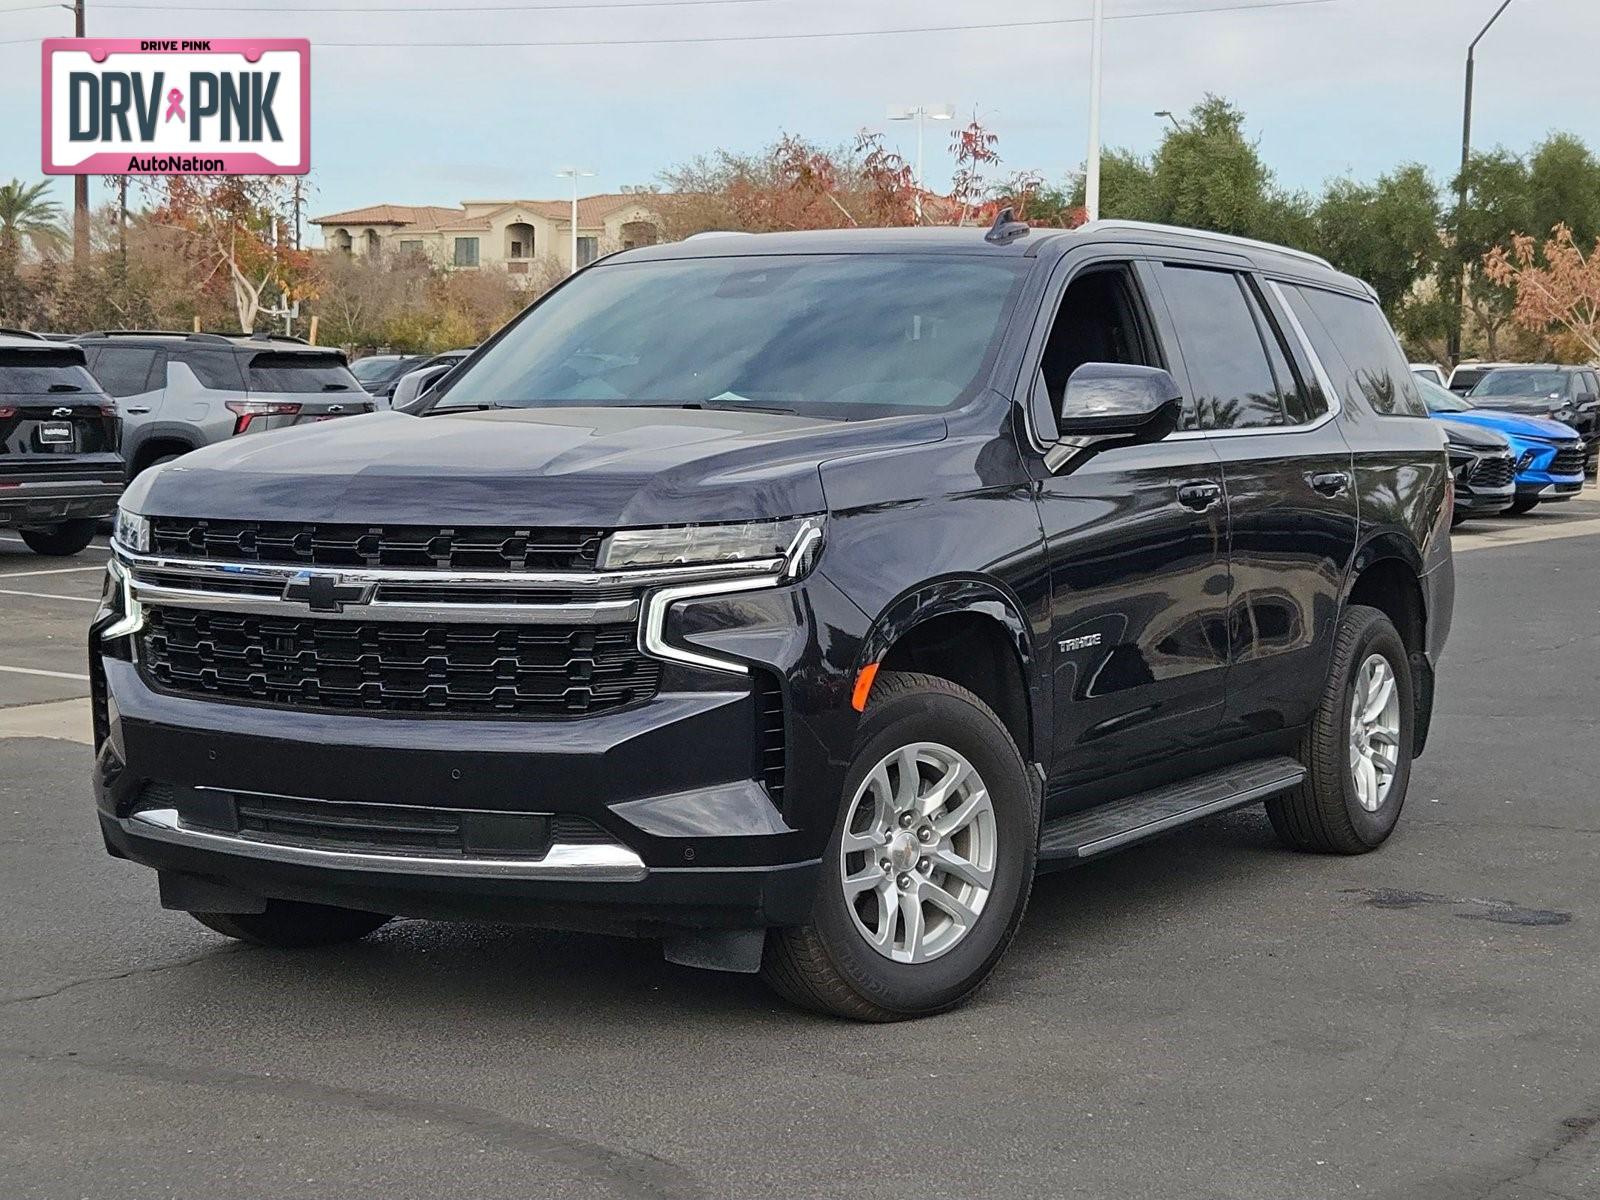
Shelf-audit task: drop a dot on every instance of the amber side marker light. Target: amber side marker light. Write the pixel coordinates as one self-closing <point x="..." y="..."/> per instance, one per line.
<point x="864" y="678"/>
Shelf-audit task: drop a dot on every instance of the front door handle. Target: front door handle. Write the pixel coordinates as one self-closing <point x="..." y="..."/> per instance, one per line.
<point x="136" y="412"/>
<point x="1199" y="496"/>
<point x="1330" y="483"/>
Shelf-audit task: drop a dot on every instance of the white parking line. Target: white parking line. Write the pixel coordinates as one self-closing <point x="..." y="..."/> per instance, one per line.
<point x="50" y="596"/>
<point x="45" y="674"/>
<point x="51" y="571"/>
<point x="97" y="544"/>
<point x="66" y="720"/>
<point x="1492" y="538"/>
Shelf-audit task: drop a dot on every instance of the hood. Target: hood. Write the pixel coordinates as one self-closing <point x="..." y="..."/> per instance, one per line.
<point x="594" y="467"/>
<point x="1473" y="437"/>
<point x="1514" y="424"/>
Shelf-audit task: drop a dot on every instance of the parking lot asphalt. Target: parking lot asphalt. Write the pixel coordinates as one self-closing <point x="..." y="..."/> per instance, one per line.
<point x="1207" y="1015"/>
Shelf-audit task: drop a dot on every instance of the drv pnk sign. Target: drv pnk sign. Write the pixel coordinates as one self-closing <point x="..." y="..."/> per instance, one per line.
<point x="207" y="106"/>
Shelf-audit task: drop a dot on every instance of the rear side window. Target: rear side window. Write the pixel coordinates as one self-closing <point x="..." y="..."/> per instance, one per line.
<point x="1219" y="331"/>
<point x="124" y="370"/>
<point x="293" y="372"/>
<point x="41" y="372"/>
<point x="1371" y="357"/>
<point x="217" y="370"/>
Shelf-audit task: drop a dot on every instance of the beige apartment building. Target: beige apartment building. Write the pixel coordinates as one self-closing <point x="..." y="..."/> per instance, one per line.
<point x="508" y="234"/>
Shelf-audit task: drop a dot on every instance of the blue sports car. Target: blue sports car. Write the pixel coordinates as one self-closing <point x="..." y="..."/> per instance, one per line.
<point x="1549" y="455"/>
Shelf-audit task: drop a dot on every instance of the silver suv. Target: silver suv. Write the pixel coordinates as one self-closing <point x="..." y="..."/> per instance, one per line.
<point x="177" y="392"/>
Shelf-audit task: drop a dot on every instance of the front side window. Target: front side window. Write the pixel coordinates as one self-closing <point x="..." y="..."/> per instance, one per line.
<point x="300" y="373"/>
<point x="1230" y="374"/>
<point x="466" y="252"/>
<point x="840" y="336"/>
<point x="124" y="370"/>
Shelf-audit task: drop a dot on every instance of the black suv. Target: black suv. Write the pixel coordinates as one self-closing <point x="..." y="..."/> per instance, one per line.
<point x="794" y="598"/>
<point x="60" y="468"/>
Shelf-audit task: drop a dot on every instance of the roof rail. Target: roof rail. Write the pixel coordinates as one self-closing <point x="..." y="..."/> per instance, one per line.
<point x="268" y="336"/>
<point x="22" y="333"/>
<point x="105" y="333"/>
<point x="716" y="233"/>
<point x="1113" y="224"/>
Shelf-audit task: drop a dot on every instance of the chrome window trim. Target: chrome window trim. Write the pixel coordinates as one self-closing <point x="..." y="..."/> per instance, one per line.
<point x="585" y="862"/>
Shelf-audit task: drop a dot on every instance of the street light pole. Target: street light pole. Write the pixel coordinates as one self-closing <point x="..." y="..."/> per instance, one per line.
<point x="1461" y="184"/>
<point x="80" y="183"/>
<point x="574" y="174"/>
<point x="921" y="113"/>
<point x="1091" y="171"/>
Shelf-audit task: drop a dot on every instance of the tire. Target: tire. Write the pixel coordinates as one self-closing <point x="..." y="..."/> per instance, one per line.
<point x="1521" y="505"/>
<point x="830" y="965"/>
<point x="59" y="541"/>
<point x="1326" y="813"/>
<point x="291" y="925"/>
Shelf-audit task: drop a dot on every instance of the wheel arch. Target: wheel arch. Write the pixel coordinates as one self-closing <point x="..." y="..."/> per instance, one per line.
<point x="1387" y="576"/>
<point x="155" y="440"/>
<point x="973" y="632"/>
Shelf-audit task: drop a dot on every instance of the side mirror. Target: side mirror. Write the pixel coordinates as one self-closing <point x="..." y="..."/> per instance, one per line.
<point x="1115" y="404"/>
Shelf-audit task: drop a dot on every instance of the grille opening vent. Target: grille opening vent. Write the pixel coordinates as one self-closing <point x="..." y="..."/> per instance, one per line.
<point x="1569" y="460"/>
<point x="771" y="746"/>
<point x="314" y="664"/>
<point x="1493" y="472"/>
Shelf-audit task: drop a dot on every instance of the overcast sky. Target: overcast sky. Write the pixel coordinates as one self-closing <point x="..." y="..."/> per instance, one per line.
<point x="1344" y="86"/>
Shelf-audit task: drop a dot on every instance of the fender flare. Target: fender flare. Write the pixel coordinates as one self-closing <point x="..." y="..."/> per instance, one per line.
<point x="157" y="431"/>
<point x="964" y="594"/>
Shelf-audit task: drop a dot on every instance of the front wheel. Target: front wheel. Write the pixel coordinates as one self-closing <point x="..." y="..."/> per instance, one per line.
<point x="292" y="925"/>
<point x="1357" y="749"/>
<point x="59" y="541"/>
<point x="929" y="869"/>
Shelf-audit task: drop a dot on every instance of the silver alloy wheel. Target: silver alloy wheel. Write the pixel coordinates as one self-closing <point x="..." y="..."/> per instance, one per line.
<point x="1374" y="732"/>
<point x="917" y="856"/>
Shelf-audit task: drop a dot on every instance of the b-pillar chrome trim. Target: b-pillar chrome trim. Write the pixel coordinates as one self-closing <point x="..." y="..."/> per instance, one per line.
<point x="572" y="861"/>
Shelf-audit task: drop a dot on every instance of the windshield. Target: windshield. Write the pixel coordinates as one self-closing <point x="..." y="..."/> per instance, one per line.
<point x="1522" y="383"/>
<point x="375" y="367"/>
<point x="843" y="336"/>
<point x="1440" y="399"/>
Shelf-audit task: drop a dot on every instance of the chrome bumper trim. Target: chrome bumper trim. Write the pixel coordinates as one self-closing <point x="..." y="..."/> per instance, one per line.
<point x="572" y="862"/>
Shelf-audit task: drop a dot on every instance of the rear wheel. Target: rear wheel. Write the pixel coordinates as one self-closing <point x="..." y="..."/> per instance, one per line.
<point x="1523" y="504"/>
<point x="928" y="872"/>
<point x="58" y="541"/>
<point x="291" y="925"/>
<point x="1357" y="751"/>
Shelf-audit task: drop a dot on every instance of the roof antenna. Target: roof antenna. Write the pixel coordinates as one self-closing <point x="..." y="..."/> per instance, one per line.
<point x="1006" y="228"/>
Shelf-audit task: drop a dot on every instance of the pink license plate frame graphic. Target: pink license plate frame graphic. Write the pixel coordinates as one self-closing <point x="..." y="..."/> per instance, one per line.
<point x="220" y="162"/>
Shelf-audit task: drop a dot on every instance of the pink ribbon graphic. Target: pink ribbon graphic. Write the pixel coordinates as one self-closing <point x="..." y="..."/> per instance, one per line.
<point x="175" y="105"/>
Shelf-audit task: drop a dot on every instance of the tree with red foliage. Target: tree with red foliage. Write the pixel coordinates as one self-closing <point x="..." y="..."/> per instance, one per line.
<point x="1560" y="293"/>
<point x="973" y="147"/>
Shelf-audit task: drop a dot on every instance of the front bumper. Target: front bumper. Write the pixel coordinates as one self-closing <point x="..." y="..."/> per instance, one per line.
<point x="1471" y="499"/>
<point x="26" y="503"/>
<point x="1546" y="487"/>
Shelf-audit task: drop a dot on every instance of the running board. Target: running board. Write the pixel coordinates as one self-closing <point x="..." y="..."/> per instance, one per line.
<point x="1120" y="823"/>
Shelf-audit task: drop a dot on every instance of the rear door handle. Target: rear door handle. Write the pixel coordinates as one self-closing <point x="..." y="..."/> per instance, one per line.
<point x="1330" y="483"/>
<point x="1199" y="496"/>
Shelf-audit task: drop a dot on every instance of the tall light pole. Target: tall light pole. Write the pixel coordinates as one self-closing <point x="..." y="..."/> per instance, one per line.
<point x="921" y="114"/>
<point x="1461" y="185"/>
<point x="574" y="174"/>
<point x="1168" y="114"/>
<point x="1091" y="170"/>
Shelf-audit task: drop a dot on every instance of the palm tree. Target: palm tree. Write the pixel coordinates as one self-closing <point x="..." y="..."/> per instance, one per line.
<point x="26" y="214"/>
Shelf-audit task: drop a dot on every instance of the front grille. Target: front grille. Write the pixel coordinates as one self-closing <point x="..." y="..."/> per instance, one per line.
<point x="1569" y="460"/>
<point x="528" y="670"/>
<point x="372" y="828"/>
<point x="770" y="745"/>
<point x="1494" y="472"/>
<point x="425" y="546"/>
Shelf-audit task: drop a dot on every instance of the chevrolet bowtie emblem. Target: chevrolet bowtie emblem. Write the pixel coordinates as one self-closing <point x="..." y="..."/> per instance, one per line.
<point x="324" y="592"/>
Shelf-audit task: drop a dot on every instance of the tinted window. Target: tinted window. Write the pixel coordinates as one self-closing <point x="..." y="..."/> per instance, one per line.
<point x="842" y="336"/>
<point x="1300" y="405"/>
<point x="40" y="372"/>
<point x="1589" y="383"/>
<point x="1229" y="373"/>
<point x="1441" y="400"/>
<point x="124" y="370"/>
<point x="1506" y="382"/>
<point x="215" y="369"/>
<point x="1372" y="357"/>
<point x="300" y="373"/>
<point x="374" y="368"/>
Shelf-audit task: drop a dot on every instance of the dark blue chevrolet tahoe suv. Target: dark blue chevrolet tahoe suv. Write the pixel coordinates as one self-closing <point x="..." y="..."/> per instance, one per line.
<point x="793" y="599"/>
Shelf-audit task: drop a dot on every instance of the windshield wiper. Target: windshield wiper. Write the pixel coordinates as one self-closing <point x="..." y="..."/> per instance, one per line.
<point x="741" y="406"/>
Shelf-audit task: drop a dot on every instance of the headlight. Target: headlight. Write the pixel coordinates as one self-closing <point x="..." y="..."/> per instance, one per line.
<point x="131" y="531"/>
<point x="700" y="544"/>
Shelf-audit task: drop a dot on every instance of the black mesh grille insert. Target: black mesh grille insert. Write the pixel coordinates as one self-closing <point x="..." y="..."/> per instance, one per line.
<point x="1493" y="472"/>
<point x="422" y="546"/>
<point x="529" y="670"/>
<point x="1568" y="460"/>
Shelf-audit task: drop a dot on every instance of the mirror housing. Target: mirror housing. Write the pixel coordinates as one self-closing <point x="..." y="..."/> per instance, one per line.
<point x="1109" y="404"/>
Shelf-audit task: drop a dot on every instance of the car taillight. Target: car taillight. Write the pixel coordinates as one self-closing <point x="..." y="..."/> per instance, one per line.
<point x="246" y="411"/>
<point x="8" y="410"/>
